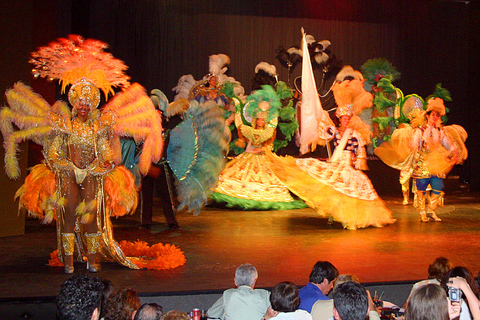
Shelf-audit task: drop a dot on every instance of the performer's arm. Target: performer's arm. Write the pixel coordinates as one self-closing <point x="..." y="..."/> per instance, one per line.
<point x="360" y="152"/>
<point x="56" y="153"/>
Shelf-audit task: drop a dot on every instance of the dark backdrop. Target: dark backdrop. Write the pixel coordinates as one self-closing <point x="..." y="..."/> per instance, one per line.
<point x="428" y="41"/>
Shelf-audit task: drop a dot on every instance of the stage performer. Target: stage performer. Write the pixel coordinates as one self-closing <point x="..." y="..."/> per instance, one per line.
<point x="79" y="184"/>
<point x="247" y="181"/>
<point x="160" y="178"/>
<point x="430" y="149"/>
<point x="338" y="188"/>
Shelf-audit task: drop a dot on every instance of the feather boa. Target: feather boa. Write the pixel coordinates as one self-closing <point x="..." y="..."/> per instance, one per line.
<point x="156" y="257"/>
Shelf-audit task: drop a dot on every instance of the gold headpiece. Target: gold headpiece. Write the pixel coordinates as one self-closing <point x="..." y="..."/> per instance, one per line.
<point x="85" y="91"/>
<point x="345" y="110"/>
<point x="83" y="64"/>
<point x="262" y="115"/>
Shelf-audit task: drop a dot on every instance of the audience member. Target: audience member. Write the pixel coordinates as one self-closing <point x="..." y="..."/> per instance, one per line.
<point x="478" y="280"/>
<point x="176" y="315"/>
<point x="323" y="309"/>
<point x="351" y="301"/>
<point x="430" y="302"/>
<point x="149" y="311"/>
<point x="439" y="267"/>
<point x="322" y="279"/>
<point x="122" y="305"/>
<point x="284" y="302"/>
<point x="80" y="298"/>
<point x="244" y="302"/>
<point x="471" y="303"/>
<point x="106" y="293"/>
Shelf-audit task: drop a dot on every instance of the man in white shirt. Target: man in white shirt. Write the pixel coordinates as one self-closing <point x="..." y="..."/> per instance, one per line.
<point x="244" y="302"/>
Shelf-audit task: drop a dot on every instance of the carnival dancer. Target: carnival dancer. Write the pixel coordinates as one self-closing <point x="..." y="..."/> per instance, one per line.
<point x="248" y="181"/>
<point x="338" y="188"/>
<point x="196" y="140"/>
<point x="79" y="184"/>
<point x="430" y="149"/>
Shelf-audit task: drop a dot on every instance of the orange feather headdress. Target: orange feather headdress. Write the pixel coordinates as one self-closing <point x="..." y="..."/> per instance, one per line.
<point x="83" y="64"/>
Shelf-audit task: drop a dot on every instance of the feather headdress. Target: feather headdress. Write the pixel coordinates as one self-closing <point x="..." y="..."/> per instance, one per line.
<point x="74" y="60"/>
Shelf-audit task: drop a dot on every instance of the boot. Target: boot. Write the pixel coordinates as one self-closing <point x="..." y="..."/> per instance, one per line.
<point x="68" y="244"/>
<point x="405" y="198"/>
<point x="330" y="220"/>
<point x="435" y="200"/>
<point x="421" y="206"/>
<point x="93" y="243"/>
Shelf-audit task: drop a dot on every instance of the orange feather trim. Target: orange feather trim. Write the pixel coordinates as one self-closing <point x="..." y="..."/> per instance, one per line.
<point x="54" y="261"/>
<point x="156" y="257"/>
<point x="37" y="192"/>
<point x="121" y="196"/>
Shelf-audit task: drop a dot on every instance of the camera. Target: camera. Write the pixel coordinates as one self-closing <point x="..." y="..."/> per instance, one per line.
<point x="454" y="294"/>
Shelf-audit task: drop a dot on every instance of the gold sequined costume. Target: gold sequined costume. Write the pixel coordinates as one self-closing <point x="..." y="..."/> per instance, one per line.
<point x="81" y="184"/>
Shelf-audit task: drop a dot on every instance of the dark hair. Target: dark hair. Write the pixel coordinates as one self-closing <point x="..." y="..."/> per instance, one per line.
<point x="122" y="304"/>
<point x="350" y="299"/>
<point x="323" y="270"/>
<point x="106" y="293"/>
<point x="464" y="273"/>
<point x="284" y="297"/>
<point x="438" y="268"/>
<point x="149" y="311"/>
<point x="426" y="303"/>
<point x="79" y="296"/>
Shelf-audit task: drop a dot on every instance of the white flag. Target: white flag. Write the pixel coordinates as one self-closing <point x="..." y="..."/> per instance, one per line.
<point x="311" y="111"/>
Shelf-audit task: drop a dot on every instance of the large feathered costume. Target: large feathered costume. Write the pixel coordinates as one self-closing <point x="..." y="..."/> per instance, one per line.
<point x="81" y="175"/>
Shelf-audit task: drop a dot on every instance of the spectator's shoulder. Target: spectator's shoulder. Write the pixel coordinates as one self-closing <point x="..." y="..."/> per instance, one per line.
<point x="262" y="292"/>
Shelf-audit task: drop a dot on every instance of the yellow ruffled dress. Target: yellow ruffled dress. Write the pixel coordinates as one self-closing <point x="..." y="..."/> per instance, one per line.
<point x="334" y="189"/>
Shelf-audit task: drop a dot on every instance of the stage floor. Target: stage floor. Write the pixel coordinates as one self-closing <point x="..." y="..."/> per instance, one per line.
<point x="283" y="245"/>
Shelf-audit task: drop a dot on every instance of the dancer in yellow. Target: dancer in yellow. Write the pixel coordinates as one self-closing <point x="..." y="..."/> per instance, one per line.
<point x="80" y="184"/>
<point x="430" y="150"/>
<point x="248" y="181"/>
<point x="338" y="187"/>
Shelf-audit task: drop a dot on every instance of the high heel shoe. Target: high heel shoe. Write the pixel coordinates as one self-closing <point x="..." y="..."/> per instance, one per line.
<point x="69" y="269"/>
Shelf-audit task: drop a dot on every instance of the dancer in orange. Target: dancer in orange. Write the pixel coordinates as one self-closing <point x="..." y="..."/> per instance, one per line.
<point x="80" y="184"/>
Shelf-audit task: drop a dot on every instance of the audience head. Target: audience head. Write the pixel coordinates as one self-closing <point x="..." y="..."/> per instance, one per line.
<point x="323" y="270"/>
<point x="149" y="311"/>
<point x="323" y="275"/>
<point x="80" y="298"/>
<point x="350" y="301"/>
<point x="344" y="278"/>
<point x="460" y="272"/>
<point x="478" y="279"/>
<point x="426" y="303"/>
<point x="122" y="305"/>
<point x="438" y="268"/>
<point x="106" y="293"/>
<point x="246" y="275"/>
<point x="176" y="315"/>
<point x="284" y="297"/>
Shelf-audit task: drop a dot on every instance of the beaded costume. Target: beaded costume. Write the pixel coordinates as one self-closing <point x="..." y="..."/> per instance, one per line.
<point x="80" y="184"/>
<point x="248" y="181"/>
<point x="429" y="152"/>
<point x="336" y="187"/>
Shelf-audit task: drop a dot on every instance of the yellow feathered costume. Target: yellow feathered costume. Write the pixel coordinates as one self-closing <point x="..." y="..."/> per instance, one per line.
<point x="82" y="154"/>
